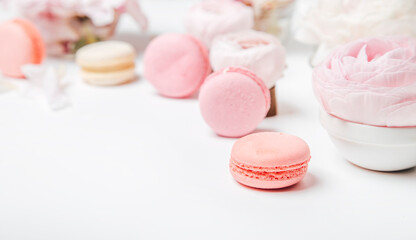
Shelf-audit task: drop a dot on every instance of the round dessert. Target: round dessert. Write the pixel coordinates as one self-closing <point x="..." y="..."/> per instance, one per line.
<point x="176" y="64"/>
<point x="107" y="63"/>
<point x="20" y="44"/>
<point x="234" y="101"/>
<point x="269" y="160"/>
<point x="260" y="52"/>
<point x="209" y="19"/>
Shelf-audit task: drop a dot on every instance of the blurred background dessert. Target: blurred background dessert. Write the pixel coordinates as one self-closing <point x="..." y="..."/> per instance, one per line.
<point x="272" y="16"/>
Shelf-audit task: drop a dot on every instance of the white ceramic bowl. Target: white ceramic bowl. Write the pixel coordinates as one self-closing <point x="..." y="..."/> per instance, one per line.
<point x="375" y="148"/>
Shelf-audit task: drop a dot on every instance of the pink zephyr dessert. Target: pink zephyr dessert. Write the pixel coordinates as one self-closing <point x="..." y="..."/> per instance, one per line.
<point x="211" y="18"/>
<point x="368" y="91"/>
<point x="233" y="101"/>
<point x="259" y="52"/>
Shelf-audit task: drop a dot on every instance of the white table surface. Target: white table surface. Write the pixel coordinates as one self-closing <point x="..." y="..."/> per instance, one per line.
<point x="125" y="163"/>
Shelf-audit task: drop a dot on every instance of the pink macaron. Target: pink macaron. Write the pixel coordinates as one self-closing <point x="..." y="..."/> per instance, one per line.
<point x="176" y="64"/>
<point x="269" y="160"/>
<point x="233" y="101"/>
<point x="20" y="44"/>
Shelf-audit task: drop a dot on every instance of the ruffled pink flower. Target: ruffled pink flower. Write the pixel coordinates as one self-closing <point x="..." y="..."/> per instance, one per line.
<point x="370" y="81"/>
<point x="68" y="24"/>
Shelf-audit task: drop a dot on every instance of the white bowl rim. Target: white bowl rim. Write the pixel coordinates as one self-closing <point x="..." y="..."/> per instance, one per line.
<point x="367" y="134"/>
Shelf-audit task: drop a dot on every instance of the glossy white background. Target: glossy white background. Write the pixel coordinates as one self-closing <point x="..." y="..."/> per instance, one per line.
<point x="125" y="163"/>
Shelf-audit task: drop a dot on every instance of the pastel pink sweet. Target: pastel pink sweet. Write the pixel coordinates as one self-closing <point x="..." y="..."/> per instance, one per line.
<point x="234" y="101"/>
<point x="211" y="18"/>
<point x="20" y="44"/>
<point x="370" y="81"/>
<point x="269" y="160"/>
<point x="176" y="64"/>
<point x="260" y="52"/>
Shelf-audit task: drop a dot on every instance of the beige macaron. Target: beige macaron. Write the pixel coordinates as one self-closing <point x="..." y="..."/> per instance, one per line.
<point x="107" y="63"/>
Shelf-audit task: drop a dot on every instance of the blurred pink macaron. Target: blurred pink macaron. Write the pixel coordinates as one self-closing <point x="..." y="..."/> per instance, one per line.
<point x="176" y="64"/>
<point x="211" y="18"/>
<point x="20" y="44"/>
<point x="269" y="160"/>
<point x="233" y="101"/>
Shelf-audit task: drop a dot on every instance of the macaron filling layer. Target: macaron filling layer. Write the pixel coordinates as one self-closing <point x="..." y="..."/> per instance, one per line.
<point x="109" y="69"/>
<point x="270" y="173"/>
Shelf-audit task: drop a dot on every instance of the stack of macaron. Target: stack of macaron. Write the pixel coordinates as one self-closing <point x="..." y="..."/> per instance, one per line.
<point x="231" y="67"/>
<point x="240" y="92"/>
<point x="236" y="97"/>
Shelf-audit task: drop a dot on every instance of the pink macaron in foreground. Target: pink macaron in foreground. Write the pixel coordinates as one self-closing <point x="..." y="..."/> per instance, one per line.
<point x="234" y="101"/>
<point x="269" y="160"/>
<point x="20" y="44"/>
<point x="176" y="64"/>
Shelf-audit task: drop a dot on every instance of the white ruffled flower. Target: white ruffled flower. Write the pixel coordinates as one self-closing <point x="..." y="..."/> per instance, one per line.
<point x="331" y="23"/>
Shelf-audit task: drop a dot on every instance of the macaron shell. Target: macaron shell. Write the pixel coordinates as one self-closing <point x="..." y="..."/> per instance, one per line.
<point x="270" y="149"/>
<point x="109" y="78"/>
<point x="176" y="64"/>
<point x="20" y="44"/>
<point x="233" y="103"/>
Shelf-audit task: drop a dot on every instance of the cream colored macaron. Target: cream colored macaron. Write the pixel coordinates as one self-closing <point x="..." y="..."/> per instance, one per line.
<point x="107" y="63"/>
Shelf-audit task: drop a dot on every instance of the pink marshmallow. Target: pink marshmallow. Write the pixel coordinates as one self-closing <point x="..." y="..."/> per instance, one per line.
<point x="260" y="52"/>
<point x="211" y="18"/>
